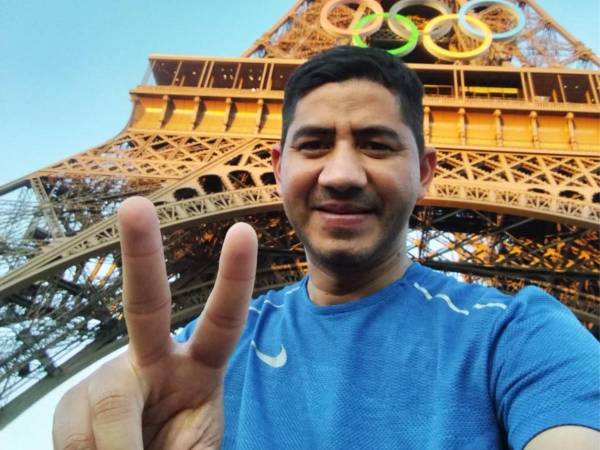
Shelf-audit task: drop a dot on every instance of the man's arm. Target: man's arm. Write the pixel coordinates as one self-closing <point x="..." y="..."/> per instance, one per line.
<point x="544" y="375"/>
<point x="161" y="394"/>
<point x="566" y="437"/>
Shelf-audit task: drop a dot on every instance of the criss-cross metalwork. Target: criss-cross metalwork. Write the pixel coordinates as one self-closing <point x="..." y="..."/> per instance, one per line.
<point x="516" y="197"/>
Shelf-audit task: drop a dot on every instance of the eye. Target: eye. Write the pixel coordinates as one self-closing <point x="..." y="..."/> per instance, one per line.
<point x="376" y="148"/>
<point x="313" y="147"/>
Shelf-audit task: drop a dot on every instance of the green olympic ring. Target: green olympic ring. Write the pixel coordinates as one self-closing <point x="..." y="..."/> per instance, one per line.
<point x="410" y="26"/>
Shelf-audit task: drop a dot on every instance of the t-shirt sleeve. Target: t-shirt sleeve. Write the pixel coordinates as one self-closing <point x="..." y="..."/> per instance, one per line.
<point x="545" y="368"/>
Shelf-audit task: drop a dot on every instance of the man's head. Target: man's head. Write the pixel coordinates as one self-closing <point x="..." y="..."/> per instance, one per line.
<point x="347" y="62"/>
<point x="352" y="164"/>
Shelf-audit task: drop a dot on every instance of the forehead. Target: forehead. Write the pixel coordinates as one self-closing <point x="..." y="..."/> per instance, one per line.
<point x="354" y="102"/>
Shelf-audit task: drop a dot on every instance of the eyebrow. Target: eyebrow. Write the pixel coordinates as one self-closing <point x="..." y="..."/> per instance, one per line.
<point x="313" y="131"/>
<point x="376" y="131"/>
<point x="359" y="133"/>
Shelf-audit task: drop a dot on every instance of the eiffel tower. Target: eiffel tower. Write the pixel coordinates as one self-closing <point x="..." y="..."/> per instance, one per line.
<point x="516" y="198"/>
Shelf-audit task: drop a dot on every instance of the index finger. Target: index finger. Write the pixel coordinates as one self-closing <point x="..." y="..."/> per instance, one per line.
<point x="146" y="293"/>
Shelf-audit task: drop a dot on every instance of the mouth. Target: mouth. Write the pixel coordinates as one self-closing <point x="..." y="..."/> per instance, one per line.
<point x="344" y="215"/>
<point x="343" y="208"/>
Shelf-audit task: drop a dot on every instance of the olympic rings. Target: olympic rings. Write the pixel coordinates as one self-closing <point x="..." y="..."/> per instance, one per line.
<point x="410" y="26"/>
<point x="435" y="28"/>
<point x="433" y="4"/>
<point x="507" y="6"/>
<point x="448" y="55"/>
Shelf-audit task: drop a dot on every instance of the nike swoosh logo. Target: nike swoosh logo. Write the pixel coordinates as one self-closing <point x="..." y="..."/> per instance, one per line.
<point x="273" y="361"/>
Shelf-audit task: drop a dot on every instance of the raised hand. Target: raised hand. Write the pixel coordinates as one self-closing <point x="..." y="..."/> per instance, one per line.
<point x="160" y="394"/>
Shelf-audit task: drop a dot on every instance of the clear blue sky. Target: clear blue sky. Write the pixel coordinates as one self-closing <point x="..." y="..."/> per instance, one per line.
<point x="67" y="67"/>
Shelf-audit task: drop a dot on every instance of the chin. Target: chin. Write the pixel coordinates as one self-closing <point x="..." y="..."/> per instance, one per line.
<point x="342" y="259"/>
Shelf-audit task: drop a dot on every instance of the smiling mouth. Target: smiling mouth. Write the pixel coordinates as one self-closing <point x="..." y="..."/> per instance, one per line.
<point x="343" y="209"/>
<point x="345" y="216"/>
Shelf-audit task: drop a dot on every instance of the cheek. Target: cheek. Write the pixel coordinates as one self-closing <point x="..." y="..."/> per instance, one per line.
<point x="297" y="181"/>
<point x="397" y="185"/>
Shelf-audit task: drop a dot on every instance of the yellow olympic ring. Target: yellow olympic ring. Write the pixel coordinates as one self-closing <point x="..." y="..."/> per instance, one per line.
<point x="433" y="30"/>
<point x="448" y="55"/>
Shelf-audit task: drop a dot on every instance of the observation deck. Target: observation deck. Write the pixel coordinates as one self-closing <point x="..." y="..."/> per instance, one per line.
<point x="492" y="107"/>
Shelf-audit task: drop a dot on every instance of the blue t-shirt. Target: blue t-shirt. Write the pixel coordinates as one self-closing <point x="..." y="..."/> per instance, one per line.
<point x="427" y="362"/>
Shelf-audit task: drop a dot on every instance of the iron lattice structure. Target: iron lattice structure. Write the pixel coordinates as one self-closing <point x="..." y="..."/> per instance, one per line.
<point x="516" y="198"/>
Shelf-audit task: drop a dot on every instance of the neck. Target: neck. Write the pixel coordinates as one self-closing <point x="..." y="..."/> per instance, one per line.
<point x="329" y="287"/>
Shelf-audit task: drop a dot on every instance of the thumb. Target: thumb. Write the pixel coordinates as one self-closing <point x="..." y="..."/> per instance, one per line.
<point x="224" y="315"/>
<point x="116" y="404"/>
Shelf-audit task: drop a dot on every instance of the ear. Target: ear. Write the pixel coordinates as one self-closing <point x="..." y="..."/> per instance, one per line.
<point x="427" y="164"/>
<point x="276" y="163"/>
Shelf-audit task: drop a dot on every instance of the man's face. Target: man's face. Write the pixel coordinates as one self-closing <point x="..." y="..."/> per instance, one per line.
<point x="350" y="174"/>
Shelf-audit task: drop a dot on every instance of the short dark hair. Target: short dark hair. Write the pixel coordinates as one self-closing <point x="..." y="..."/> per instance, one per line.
<point x="347" y="62"/>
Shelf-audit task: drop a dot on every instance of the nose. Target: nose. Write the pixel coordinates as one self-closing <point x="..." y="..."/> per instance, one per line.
<point x="343" y="169"/>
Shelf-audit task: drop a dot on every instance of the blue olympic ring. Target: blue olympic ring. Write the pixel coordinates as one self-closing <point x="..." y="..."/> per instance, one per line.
<point x="474" y="32"/>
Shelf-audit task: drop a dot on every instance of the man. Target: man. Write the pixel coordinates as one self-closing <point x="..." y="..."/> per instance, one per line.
<point x="369" y="350"/>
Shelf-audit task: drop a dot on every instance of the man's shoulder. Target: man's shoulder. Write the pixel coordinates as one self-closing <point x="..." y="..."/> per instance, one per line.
<point x="434" y="284"/>
<point x="273" y="298"/>
<point x="276" y="297"/>
<point x="471" y="298"/>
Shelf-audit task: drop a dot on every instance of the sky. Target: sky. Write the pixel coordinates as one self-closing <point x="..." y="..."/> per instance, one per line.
<point x="67" y="67"/>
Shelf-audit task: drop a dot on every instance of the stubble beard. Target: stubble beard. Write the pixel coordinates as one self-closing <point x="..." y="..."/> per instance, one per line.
<point x="350" y="260"/>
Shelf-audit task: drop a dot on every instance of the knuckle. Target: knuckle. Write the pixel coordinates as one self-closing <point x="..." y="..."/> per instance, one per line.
<point x="225" y="321"/>
<point x="78" y="441"/>
<point x="112" y="407"/>
<point x="152" y="304"/>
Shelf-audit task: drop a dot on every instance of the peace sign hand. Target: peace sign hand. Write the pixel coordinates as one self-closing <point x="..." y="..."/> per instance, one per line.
<point x="160" y="394"/>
